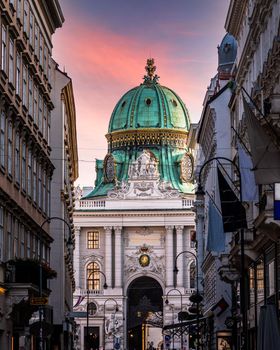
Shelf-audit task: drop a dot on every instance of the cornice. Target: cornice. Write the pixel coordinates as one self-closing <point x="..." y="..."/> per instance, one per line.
<point x="68" y="98"/>
<point x="235" y="16"/>
<point x="156" y="136"/>
<point x="134" y="214"/>
<point x="256" y="27"/>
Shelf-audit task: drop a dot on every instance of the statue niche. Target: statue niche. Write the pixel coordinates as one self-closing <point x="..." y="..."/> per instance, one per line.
<point x="145" y="167"/>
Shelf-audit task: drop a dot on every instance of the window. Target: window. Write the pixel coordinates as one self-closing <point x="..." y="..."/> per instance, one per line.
<point x="28" y="244"/>
<point x="22" y="241"/>
<point x="36" y="39"/>
<point x="25" y="16"/>
<point x="49" y="68"/>
<point x="12" y="3"/>
<point x="23" y="166"/>
<point x="17" y="158"/>
<point x="10" y="148"/>
<point x="49" y="127"/>
<point x="18" y="78"/>
<point x="252" y="285"/>
<point x="48" y="198"/>
<point x="11" y="61"/>
<point x="29" y="172"/>
<point x="192" y="275"/>
<point x="40" y="112"/>
<point x="44" y="191"/>
<point x="271" y="278"/>
<point x="4" y="50"/>
<point x="92" y="308"/>
<point x="1" y="232"/>
<point x="260" y="281"/>
<point x="24" y="86"/>
<point x="35" y="180"/>
<point x="34" y="247"/>
<point x="30" y="95"/>
<point x="93" y="240"/>
<point x="41" y="50"/>
<point x="31" y="31"/>
<point x="35" y="106"/>
<point x="2" y="139"/>
<point x="45" y="67"/>
<point x="9" y="236"/>
<point x="45" y="125"/>
<point x="16" y="234"/>
<point x="93" y="276"/>
<point x="19" y="9"/>
<point x="40" y="186"/>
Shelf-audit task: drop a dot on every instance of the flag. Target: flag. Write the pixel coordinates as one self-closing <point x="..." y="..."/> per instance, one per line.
<point x="233" y="212"/>
<point x="265" y="155"/>
<point x="80" y="299"/>
<point x="216" y="235"/>
<point x="221" y="306"/>
<point x="277" y="201"/>
<point x="249" y="189"/>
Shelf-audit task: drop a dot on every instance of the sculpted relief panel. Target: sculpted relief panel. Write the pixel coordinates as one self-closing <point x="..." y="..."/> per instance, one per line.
<point x="144" y="259"/>
<point x="143" y="181"/>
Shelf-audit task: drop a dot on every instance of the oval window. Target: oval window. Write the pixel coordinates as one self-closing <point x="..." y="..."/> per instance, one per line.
<point x="148" y="101"/>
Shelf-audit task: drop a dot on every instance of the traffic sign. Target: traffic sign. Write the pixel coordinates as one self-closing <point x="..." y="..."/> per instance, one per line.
<point x="39" y="301"/>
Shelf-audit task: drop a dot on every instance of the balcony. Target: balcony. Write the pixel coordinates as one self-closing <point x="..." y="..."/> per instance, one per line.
<point x="27" y="271"/>
<point x="88" y="204"/>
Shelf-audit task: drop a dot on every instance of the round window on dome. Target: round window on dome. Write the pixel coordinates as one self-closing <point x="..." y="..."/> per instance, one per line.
<point x="123" y="104"/>
<point x="174" y="102"/>
<point x="148" y="101"/>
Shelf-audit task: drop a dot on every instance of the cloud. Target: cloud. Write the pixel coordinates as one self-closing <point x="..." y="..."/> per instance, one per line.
<point x="104" y="65"/>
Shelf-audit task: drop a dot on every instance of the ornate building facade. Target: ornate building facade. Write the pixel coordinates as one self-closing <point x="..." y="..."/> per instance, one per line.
<point x="256" y="27"/>
<point x="30" y="99"/>
<point x="131" y="226"/>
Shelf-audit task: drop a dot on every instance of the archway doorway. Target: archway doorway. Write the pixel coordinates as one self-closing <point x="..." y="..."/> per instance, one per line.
<point x="144" y="313"/>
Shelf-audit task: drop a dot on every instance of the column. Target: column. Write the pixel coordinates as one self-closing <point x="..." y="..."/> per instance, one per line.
<point x="169" y="260"/>
<point x="108" y="255"/>
<point x="118" y="256"/>
<point x="77" y="256"/>
<point x="180" y="260"/>
<point x="199" y="209"/>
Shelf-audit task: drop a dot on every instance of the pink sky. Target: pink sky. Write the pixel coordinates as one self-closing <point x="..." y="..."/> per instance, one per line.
<point x="106" y="61"/>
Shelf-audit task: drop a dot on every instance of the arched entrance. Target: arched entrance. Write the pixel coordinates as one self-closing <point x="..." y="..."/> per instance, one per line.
<point x="144" y="310"/>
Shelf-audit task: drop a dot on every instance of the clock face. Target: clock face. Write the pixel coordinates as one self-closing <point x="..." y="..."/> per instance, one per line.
<point x="109" y="168"/>
<point x="187" y="168"/>
<point x="144" y="260"/>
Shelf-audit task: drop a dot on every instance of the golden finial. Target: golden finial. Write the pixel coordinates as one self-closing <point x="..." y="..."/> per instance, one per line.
<point x="150" y="69"/>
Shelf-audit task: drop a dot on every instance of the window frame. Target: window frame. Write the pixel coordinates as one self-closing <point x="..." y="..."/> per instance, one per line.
<point x="93" y="239"/>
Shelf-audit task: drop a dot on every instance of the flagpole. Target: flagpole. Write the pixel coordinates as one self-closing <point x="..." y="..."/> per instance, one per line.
<point x="242" y="250"/>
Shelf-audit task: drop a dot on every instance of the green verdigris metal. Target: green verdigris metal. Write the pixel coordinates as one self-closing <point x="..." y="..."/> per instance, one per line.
<point x="152" y="117"/>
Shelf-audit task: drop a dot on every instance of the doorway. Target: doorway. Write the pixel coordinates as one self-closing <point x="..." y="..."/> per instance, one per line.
<point x="145" y="306"/>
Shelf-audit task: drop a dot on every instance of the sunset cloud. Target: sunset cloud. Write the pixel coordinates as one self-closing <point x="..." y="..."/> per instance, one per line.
<point x="105" y="59"/>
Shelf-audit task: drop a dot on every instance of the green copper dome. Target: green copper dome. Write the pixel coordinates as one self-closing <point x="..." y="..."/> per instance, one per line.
<point x="152" y="120"/>
<point x="149" y="105"/>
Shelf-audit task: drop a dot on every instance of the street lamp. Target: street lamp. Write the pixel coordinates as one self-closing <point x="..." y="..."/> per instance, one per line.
<point x="116" y="310"/>
<point x="69" y="244"/>
<point x="105" y="286"/>
<point x="200" y="192"/>
<point x="167" y="302"/>
<point x="194" y="298"/>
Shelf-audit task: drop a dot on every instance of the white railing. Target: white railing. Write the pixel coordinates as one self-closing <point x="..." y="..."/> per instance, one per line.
<point x="187" y="203"/>
<point x="91" y="292"/>
<point x="92" y="204"/>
